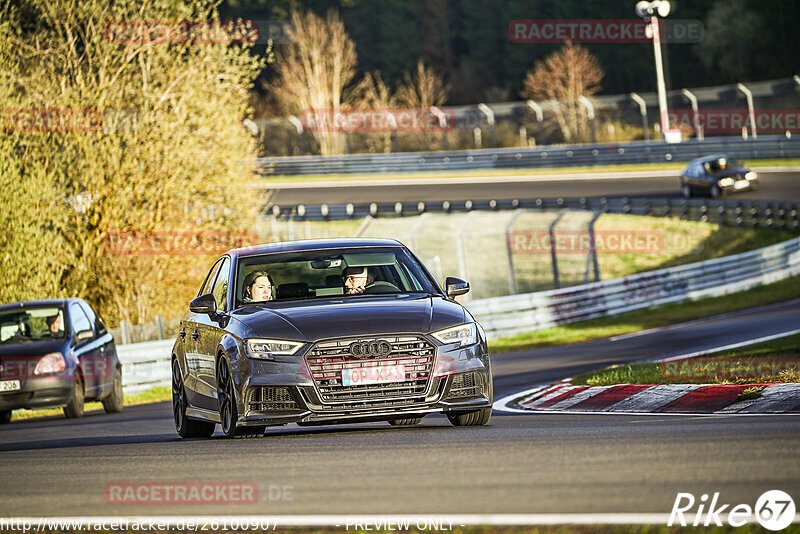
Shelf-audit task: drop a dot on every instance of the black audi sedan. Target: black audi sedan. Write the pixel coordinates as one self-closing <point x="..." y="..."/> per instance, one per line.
<point x="56" y="353"/>
<point x="716" y="176"/>
<point x="322" y="332"/>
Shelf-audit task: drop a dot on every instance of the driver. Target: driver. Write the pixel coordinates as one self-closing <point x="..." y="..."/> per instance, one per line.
<point x="55" y="325"/>
<point x="356" y="280"/>
<point x="257" y="287"/>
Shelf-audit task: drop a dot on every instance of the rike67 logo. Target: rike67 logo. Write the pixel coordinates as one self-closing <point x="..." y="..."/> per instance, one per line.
<point x="774" y="510"/>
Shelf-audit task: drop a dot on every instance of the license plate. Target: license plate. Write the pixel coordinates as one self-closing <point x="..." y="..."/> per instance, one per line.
<point x="10" y="385"/>
<point x="741" y="184"/>
<point x="373" y="375"/>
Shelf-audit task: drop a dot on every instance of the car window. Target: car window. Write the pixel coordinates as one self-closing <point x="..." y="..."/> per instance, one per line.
<point x="31" y="324"/>
<point x="220" y="290"/>
<point x="78" y="319"/>
<point x="99" y="326"/>
<point x="209" y="282"/>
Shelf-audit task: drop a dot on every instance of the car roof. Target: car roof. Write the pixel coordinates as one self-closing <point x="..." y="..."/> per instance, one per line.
<point x="313" y="244"/>
<point x="713" y="157"/>
<point x="37" y="303"/>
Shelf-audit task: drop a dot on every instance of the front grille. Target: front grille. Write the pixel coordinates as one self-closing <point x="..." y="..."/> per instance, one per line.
<point x="327" y="359"/>
<point x="271" y="398"/>
<point x="465" y="385"/>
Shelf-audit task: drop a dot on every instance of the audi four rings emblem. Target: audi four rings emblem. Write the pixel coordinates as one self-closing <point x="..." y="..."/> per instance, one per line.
<point x="378" y="347"/>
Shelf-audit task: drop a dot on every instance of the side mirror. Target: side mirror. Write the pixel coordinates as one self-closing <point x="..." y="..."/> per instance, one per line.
<point x="83" y="335"/>
<point x="455" y="286"/>
<point x="203" y="304"/>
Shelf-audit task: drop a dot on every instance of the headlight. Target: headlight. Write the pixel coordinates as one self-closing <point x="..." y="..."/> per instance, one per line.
<point x="751" y="175"/>
<point x="265" y="349"/>
<point x="50" y="363"/>
<point x="465" y="334"/>
<point x="725" y="182"/>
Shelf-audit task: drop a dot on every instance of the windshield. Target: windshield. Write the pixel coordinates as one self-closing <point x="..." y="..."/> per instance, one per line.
<point x="31" y="324"/>
<point x="329" y="273"/>
<point x="723" y="164"/>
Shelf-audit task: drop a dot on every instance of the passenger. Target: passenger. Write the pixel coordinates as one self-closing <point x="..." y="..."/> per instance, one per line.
<point x="257" y="287"/>
<point x="356" y="280"/>
<point x="56" y="325"/>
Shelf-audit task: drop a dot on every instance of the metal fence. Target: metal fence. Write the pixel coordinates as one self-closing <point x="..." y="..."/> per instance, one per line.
<point x="145" y="365"/>
<point x="774" y="146"/>
<point x="516" y="314"/>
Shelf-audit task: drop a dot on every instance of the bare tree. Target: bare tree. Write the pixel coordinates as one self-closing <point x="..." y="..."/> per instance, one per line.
<point x="422" y="89"/>
<point x="564" y="76"/>
<point x="373" y="93"/>
<point x="314" y="69"/>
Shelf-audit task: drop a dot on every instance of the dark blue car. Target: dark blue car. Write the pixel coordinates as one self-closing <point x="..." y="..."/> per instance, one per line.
<point x="56" y="353"/>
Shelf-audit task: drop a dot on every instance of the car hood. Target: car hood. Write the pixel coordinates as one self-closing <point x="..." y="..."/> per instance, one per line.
<point x="312" y="320"/>
<point x="32" y="348"/>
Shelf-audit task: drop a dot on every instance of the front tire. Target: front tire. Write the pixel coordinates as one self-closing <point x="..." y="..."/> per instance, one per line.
<point x="5" y="416"/>
<point x="686" y="191"/>
<point x="715" y="192"/>
<point x="228" y="412"/>
<point x="186" y="428"/>
<point x="406" y="421"/>
<point x="74" y="407"/>
<point x="114" y="402"/>
<point x="475" y="418"/>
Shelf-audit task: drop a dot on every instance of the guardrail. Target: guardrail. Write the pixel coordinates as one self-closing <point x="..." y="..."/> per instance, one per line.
<point x="516" y="314"/>
<point x="747" y="213"/>
<point x="774" y="146"/>
<point x="146" y="365"/>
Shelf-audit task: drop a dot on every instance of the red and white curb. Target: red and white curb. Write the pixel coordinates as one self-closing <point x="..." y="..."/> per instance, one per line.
<point x="691" y="399"/>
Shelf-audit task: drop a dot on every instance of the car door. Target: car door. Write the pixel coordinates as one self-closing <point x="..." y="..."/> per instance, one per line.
<point x="87" y="351"/>
<point x="189" y="335"/>
<point x="107" y="358"/>
<point x="210" y="328"/>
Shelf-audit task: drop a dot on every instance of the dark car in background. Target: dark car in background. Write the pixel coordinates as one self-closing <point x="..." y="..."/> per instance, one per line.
<point x="716" y="176"/>
<point x="311" y="354"/>
<point x="56" y="353"/>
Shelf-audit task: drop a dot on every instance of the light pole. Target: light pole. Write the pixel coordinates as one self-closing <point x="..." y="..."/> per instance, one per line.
<point x="695" y="117"/>
<point x="650" y="11"/>
<point x="643" y="112"/>
<point x="750" y="111"/>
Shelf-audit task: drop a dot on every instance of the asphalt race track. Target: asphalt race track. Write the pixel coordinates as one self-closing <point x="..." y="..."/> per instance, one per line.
<point x="519" y="463"/>
<point x="779" y="186"/>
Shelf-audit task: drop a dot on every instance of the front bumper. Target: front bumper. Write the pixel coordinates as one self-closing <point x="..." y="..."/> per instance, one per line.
<point x="38" y="393"/>
<point x="460" y="381"/>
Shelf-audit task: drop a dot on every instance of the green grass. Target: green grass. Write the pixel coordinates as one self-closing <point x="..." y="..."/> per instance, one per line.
<point x="156" y="394"/>
<point x="703" y="369"/>
<point x="509" y="172"/>
<point x="649" y="318"/>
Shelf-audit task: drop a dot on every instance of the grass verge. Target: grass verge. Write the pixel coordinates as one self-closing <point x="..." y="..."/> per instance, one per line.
<point x="156" y="394"/>
<point x="767" y="362"/>
<point x="530" y="171"/>
<point x="649" y="318"/>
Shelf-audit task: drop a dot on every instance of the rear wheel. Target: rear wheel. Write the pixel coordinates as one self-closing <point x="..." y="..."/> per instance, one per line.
<point x="187" y="428"/>
<point x="406" y="421"/>
<point x="228" y="412"/>
<point x="113" y="403"/>
<point x="74" y="407"/>
<point x="5" y="416"/>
